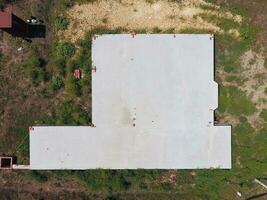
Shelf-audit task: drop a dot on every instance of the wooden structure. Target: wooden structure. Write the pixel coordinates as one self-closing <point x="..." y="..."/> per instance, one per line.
<point x="13" y="25"/>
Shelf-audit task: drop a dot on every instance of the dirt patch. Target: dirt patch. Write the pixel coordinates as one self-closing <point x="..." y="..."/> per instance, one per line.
<point x="254" y="76"/>
<point x="255" y="73"/>
<point x="140" y="15"/>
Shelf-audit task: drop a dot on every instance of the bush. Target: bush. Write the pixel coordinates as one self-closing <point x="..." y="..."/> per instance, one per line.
<point x="57" y="83"/>
<point x="34" y="69"/>
<point x="61" y="23"/>
<point x="65" y="49"/>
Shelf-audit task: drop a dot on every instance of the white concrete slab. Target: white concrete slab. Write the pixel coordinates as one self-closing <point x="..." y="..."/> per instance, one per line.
<point x="153" y="102"/>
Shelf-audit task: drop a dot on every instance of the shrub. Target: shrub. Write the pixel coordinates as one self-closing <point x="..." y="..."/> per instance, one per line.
<point x="57" y="83"/>
<point x="61" y="23"/>
<point x="65" y="49"/>
<point x="34" y="69"/>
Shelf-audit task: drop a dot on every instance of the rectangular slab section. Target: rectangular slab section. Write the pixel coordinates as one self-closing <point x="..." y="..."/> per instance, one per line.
<point x="153" y="106"/>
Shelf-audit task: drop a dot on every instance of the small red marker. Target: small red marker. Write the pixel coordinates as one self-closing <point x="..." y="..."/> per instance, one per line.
<point x="94" y="69"/>
<point x="133" y="34"/>
<point x="94" y="37"/>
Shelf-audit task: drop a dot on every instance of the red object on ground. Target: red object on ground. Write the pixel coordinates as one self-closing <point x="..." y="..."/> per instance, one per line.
<point x="94" y="69"/>
<point x="133" y="34"/>
<point x="5" y="20"/>
<point x="77" y="73"/>
<point x="94" y="37"/>
<point x="6" y="162"/>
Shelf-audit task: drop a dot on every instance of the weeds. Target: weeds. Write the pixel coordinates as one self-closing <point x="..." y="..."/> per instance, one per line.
<point x="61" y="23"/>
<point x="235" y="102"/>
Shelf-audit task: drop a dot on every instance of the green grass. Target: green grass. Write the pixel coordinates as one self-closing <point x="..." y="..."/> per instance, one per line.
<point x="38" y="176"/>
<point x="235" y="79"/>
<point x="68" y="113"/>
<point x="235" y="102"/>
<point x="34" y="69"/>
<point x="224" y="23"/>
<point x="263" y="114"/>
<point x="243" y="133"/>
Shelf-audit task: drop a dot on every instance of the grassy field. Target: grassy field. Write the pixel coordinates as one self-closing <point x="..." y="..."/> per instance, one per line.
<point x="40" y="89"/>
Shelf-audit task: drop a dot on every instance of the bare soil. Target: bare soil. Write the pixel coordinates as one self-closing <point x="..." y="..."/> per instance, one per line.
<point x="142" y="15"/>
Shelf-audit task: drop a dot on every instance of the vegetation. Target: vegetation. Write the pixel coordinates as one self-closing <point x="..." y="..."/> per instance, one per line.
<point x="68" y="113"/>
<point x="235" y="102"/>
<point x="65" y="49"/>
<point x="57" y="83"/>
<point x="37" y="176"/>
<point x="263" y="114"/>
<point x="34" y="68"/>
<point x="61" y="22"/>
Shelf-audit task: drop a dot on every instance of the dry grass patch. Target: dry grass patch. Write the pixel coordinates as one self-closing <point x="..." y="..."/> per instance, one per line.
<point x="141" y="14"/>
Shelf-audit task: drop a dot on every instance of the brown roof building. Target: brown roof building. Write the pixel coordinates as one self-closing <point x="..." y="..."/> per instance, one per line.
<point x="5" y="20"/>
<point x="12" y="24"/>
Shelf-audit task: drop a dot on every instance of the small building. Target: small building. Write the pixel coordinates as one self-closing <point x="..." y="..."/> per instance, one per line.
<point x="13" y="25"/>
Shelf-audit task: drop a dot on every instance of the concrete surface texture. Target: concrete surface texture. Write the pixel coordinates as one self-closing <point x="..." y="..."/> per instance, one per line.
<point x="154" y="98"/>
